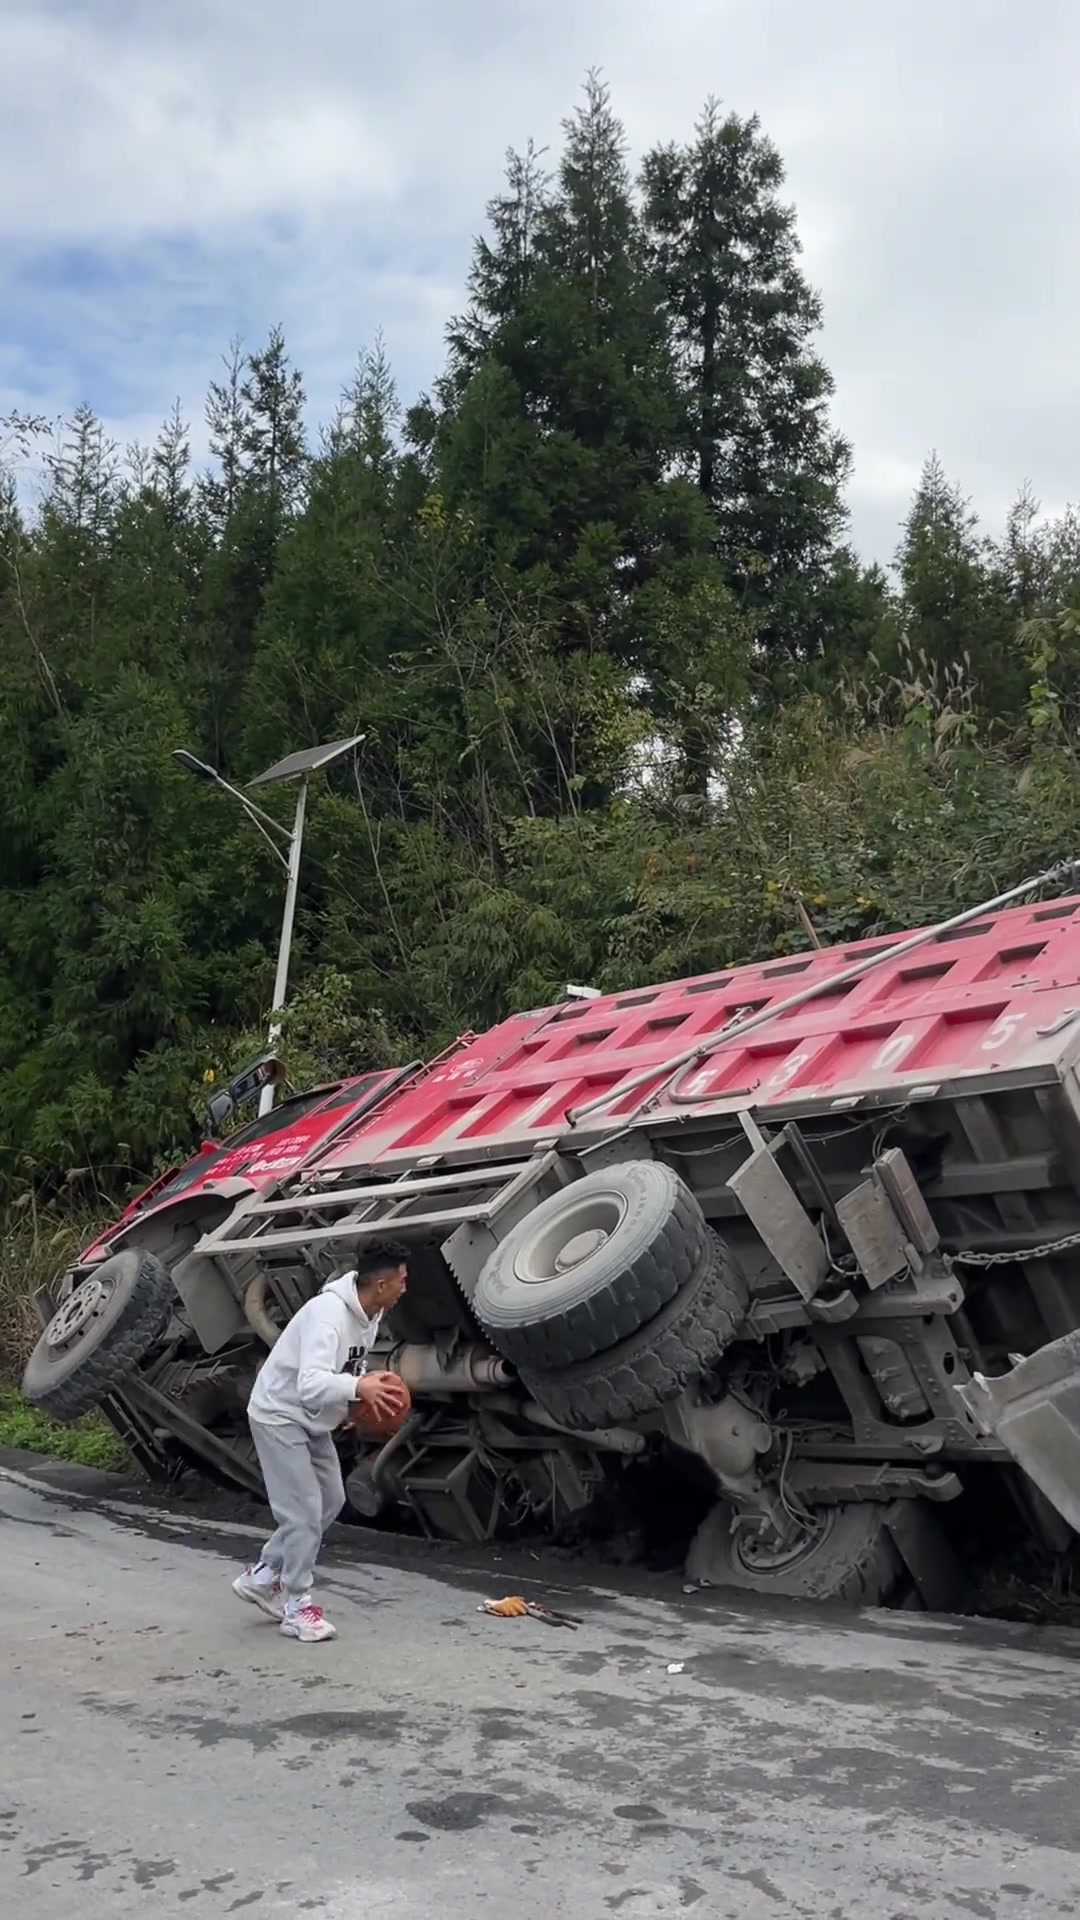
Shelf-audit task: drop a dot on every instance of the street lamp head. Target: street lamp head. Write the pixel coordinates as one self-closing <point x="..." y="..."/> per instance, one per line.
<point x="193" y="765"/>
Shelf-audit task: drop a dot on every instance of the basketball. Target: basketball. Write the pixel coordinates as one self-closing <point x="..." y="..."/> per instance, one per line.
<point x="369" y="1425"/>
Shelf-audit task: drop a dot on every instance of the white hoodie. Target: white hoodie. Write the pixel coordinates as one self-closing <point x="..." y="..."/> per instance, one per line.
<point x="308" y="1378"/>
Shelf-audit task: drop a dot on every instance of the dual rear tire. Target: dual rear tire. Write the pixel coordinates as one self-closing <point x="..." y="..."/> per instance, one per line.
<point x="612" y="1296"/>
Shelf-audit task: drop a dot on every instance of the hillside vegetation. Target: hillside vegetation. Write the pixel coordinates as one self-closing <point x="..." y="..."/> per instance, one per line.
<point x="632" y="705"/>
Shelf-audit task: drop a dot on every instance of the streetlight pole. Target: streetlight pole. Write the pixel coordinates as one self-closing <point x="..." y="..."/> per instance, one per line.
<point x="281" y="976"/>
<point x="296" y="766"/>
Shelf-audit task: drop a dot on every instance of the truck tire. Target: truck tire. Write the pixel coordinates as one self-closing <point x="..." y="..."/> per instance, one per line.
<point x="591" y="1264"/>
<point x="851" y="1558"/>
<point x="659" y="1361"/>
<point x="98" y="1337"/>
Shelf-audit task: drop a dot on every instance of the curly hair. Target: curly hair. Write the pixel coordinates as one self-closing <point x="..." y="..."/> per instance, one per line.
<point x="378" y="1256"/>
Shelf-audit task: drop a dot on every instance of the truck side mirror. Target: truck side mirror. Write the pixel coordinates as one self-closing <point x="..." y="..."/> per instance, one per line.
<point x="220" y="1108"/>
<point x="243" y="1087"/>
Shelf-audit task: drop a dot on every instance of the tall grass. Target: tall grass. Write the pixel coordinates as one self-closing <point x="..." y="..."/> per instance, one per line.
<point x="35" y="1248"/>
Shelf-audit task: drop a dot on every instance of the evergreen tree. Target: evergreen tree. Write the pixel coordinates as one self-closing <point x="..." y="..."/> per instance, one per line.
<point x="955" y="612"/>
<point x="755" y="391"/>
<point x="228" y="420"/>
<point x="1036" y="569"/>
<point x="158" y="534"/>
<point x="170" y="467"/>
<point x="273" y="425"/>
<point x="559" y="419"/>
<point x="559" y="431"/>
<point x="332" y="578"/>
<point x="372" y="412"/>
<point x="64" y="581"/>
<point x="255" y="417"/>
<point x="502" y="268"/>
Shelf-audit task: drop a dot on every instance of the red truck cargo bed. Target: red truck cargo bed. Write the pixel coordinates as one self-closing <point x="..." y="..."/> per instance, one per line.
<point x="995" y="1002"/>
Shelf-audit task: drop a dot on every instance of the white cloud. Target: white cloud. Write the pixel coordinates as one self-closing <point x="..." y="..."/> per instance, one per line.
<point x="175" y="173"/>
<point x="148" y="139"/>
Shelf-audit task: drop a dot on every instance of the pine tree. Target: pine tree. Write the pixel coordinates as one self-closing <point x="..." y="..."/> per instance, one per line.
<point x="83" y="474"/>
<point x="371" y="414"/>
<point x="503" y="267"/>
<point x="558" y="414"/>
<point x="170" y="466"/>
<point x="561" y="433"/>
<point x="273" y="433"/>
<point x="159" y="533"/>
<point x="228" y="419"/>
<point x="955" y="613"/>
<point x="63" y="578"/>
<point x="755" y="390"/>
<point x="257" y="436"/>
<point x="332" y="577"/>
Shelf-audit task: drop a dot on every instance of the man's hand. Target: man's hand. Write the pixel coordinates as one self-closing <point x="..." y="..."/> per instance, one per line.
<point x="383" y="1393"/>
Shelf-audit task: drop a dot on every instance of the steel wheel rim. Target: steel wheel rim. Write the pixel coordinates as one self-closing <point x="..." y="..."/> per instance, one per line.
<point x="570" y="1239"/>
<point x="778" y="1559"/>
<point x="84" y="1305"/>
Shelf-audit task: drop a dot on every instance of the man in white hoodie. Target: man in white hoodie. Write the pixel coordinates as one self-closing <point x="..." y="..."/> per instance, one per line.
<point x="304" y="1389"/>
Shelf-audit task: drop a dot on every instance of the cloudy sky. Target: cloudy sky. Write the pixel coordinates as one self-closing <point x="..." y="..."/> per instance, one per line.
<point x="175" y="172"/>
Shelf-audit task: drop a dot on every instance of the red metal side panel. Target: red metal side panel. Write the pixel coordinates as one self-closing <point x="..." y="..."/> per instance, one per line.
<point x="991" y="998"/>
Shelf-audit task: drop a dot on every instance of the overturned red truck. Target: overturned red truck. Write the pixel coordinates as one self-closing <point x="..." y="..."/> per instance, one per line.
<point x="803" y="1235"/>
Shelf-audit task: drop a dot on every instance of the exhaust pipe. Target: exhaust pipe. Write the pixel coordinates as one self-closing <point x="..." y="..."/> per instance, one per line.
<point x="472" y="1369"/>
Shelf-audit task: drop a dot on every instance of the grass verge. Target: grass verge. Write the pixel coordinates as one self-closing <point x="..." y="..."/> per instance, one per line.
<point x="34" y="1249"/>
<point x="91" y="1443"/>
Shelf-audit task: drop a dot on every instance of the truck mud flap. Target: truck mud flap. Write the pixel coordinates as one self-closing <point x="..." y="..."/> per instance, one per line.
<point x="1035" y="1413"/>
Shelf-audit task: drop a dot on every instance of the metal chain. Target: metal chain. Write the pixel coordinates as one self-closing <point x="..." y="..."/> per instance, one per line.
<point x="1044" y="1251"/>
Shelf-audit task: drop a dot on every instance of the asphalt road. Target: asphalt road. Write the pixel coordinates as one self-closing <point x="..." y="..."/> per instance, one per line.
<point x="166" y="1750"/>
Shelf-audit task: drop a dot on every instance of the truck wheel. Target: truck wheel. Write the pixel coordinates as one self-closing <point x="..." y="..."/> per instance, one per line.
<point x="96" y="1340"/>
<point x="850" y="1556"/>
<point x="660" y="1360"/>
<point x="591" y="1264"/>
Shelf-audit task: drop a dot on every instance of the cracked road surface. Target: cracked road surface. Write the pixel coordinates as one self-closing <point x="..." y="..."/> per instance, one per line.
<point x="167" y="1750"/>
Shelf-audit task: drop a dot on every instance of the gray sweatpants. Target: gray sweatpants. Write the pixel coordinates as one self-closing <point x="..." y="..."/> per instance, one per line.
<point x="303" y="1481"/>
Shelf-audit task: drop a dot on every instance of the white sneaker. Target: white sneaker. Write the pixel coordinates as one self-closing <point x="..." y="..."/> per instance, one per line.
<point x="303" y="1620"/>
<point x="263" y="1588"/>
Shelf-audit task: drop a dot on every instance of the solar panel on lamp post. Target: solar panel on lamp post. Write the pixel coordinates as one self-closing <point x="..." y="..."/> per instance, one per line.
<point x="300" y="767"/>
